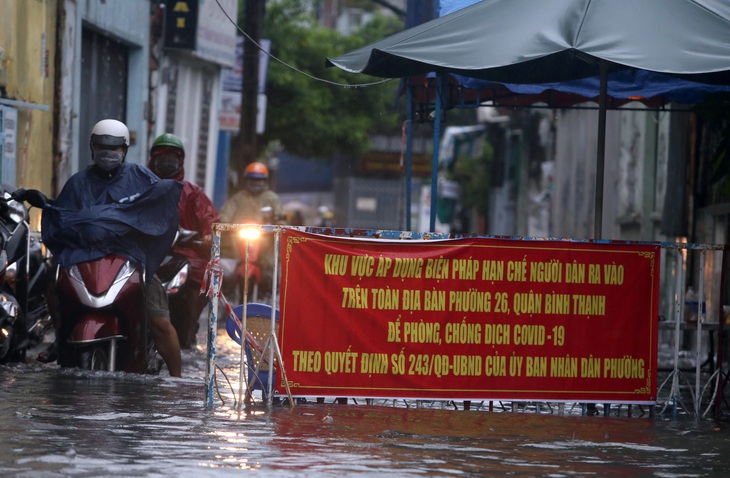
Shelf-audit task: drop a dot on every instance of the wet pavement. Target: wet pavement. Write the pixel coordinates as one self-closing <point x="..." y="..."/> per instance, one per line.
<point x="58" y="422"/>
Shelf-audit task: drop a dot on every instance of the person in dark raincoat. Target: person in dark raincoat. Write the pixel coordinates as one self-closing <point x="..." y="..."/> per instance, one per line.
<point x="115" y="207"/>
<point x="197" y="213"/>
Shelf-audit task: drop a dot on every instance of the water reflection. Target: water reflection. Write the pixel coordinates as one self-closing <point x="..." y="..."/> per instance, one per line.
<point x="59" y="422"/>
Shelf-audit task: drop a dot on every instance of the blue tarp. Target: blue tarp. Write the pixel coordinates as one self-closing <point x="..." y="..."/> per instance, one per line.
<point x="639" y="85"/>
<point x="92" y="218"/>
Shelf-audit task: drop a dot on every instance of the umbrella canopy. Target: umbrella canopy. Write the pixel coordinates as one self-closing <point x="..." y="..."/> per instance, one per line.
<point x="681" y="44"/>
<point x="523" y="41"/>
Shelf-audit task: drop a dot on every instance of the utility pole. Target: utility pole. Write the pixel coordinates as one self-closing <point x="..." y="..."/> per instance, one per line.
<point x="247" y="136"/>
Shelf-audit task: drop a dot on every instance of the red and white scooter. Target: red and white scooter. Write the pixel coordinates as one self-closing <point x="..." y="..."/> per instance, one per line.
<point x="259" y="278"/>
<point x="103" y="321"/>
<point x="102" y="307"/>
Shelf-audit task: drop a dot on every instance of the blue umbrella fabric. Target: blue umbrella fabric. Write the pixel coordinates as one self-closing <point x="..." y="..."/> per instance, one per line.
<point x="623" y="86"/>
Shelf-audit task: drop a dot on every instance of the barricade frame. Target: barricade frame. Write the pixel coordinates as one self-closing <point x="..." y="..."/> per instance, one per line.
<point x="680" y="250"/>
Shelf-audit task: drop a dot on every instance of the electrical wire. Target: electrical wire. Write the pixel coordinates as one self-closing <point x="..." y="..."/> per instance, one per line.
<point x="230" y="386"/>
<point x="291" y="67"/>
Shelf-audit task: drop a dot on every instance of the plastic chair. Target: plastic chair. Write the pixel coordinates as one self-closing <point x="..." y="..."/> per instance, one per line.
<point x="258" y="324"/>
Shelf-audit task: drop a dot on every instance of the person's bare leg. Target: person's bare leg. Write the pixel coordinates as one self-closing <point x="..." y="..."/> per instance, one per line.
<point x="165" y="338"/>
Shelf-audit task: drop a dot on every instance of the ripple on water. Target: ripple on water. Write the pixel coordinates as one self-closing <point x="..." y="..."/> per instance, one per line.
<point x="66" y="422"/>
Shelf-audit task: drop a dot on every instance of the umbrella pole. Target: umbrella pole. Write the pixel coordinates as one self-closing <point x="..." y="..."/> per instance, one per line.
<point x="409" y="152"/>
<point x="436" y="149"/>
<point x="600" y="151"/>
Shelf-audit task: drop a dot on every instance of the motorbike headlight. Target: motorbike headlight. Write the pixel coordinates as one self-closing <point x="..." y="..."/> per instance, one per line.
<point x="249" y="233"/>
<point x="75" y="273"/>
<point x="179" y="280"/>
<point x="9" y="307"/>
<point x="5" y="339"/>
<point x="124" y="272"/>
<point x="17" y="212"/>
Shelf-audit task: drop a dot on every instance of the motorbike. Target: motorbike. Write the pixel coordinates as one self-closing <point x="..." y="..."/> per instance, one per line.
<point x="259" y="278"/>
<point x="24" y="274"/>
<point x="103" y="321"/>
<point x="103" y="324"/>
<point x="183" y="294"/>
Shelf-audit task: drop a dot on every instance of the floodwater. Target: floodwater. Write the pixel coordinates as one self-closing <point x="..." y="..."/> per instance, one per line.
<point x="56" y="422"/>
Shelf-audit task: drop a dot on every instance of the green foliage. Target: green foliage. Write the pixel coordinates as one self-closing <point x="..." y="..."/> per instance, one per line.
<point x="313" y="118"/>
<point x="473" y="176"/>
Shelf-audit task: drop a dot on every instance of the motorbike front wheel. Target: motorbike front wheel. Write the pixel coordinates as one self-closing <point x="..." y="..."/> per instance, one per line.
<point x="94" y="357"/>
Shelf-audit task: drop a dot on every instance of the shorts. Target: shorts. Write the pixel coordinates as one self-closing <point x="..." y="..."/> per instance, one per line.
<point x="156" y="298"/>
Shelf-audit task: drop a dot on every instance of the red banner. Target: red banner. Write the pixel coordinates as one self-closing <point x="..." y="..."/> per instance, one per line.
<point x="469" y="319"/>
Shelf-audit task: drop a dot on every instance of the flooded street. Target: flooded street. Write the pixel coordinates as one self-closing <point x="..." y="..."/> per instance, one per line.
<point x="57" y="422"/>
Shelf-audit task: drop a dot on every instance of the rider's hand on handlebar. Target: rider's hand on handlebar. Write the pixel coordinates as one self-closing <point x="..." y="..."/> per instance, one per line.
<point x="32" y="196"/>
<point x="18" y="195"/>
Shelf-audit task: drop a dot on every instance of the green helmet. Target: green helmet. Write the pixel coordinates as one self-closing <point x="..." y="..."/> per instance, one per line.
<point x="168" y="139"/>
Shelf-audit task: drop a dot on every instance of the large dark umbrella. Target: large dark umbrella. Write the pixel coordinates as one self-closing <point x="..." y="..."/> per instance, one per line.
<point x="559" y="41"/>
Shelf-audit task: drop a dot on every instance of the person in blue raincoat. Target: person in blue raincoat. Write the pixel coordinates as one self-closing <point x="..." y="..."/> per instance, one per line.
<point x="115" y="207"/>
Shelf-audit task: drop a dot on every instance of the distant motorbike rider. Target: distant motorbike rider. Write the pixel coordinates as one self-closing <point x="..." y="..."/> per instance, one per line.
<point x="246" y="207"/>
<point x="325" y="217"/>
<point x="115" y="207"/>
<point x="197" y="213"/>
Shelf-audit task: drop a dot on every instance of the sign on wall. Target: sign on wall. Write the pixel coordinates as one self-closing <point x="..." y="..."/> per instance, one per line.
<point x="181" y="23"/>
<point x="469" y="318"/>
<point x="230" y="112"/>
<point x="216" y="34"/>
<point x="8" y="144"/>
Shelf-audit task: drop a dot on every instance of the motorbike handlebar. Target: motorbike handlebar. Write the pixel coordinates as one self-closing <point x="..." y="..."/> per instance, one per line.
<point x="188" y="238"/>
<point x="32" y="196"/>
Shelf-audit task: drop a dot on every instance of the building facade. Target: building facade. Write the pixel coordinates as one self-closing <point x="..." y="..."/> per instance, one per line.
<point x="27" y="92"/>
<point x="66" y="64"/>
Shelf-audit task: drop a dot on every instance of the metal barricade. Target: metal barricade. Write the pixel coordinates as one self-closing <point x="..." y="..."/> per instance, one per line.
<point x="683" y="312"/>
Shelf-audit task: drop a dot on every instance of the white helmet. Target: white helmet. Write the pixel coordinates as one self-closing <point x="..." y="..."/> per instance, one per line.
<point x="110" y="132"/>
